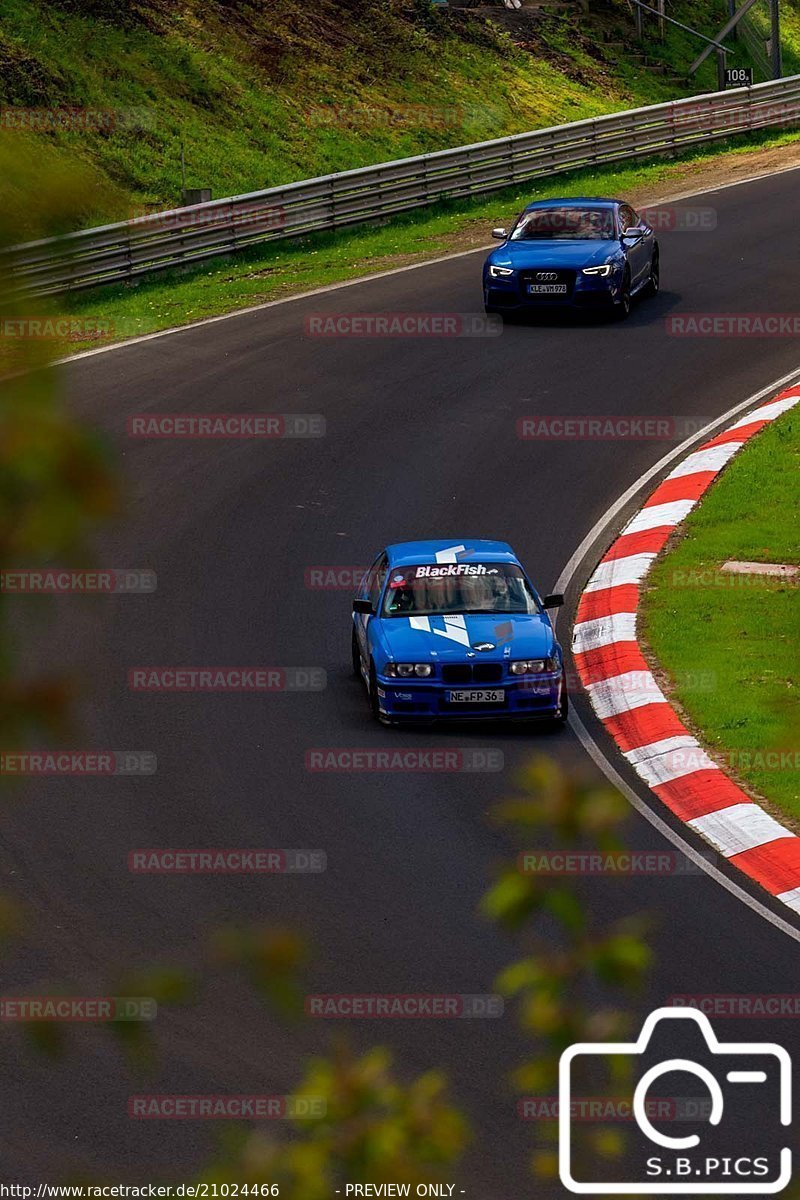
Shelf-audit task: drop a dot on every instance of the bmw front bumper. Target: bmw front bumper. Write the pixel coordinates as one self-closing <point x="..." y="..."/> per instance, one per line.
<point x="536" y="698"/>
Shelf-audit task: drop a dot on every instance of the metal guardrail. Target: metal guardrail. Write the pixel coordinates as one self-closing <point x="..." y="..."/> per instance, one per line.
<point x="123" y="251"/>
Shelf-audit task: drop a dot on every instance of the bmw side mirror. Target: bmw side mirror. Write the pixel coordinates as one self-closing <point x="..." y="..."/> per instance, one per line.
<point x="634" y="233"/>
<point x="364" y="606"/>
<point x="500" y="233"/>
<point x="554" y="601"/>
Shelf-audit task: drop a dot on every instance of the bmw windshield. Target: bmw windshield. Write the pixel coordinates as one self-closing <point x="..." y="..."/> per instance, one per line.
<point x="574" y="224"/>
<point x="438" y="588"/>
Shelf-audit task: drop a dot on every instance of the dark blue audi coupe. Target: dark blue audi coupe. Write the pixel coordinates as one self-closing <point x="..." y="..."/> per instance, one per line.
<point x="579" y="253"/>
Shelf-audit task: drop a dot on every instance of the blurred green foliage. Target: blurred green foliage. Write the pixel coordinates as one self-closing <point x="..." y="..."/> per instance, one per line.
<point x="577" y="975"/>
<point x="56" y="482"/>
<point x="373" y="1129"/>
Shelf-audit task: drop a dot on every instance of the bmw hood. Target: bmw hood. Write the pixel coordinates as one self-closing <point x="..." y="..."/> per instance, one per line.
<point x="567" y="253"/>
<point x="450" y="638"/>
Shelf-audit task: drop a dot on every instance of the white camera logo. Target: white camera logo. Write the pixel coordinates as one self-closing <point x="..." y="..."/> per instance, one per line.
<point x="697" y="1186"/>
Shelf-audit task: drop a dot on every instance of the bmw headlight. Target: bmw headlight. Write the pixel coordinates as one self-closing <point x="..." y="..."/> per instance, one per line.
<point x="606" y="269"/>
<point x="500" y="272"/>
<point x="533" y="666"/>
<point x="404" y="670"/>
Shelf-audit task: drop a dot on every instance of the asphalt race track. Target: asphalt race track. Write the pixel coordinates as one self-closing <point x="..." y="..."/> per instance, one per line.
<point x="420" y="443"/>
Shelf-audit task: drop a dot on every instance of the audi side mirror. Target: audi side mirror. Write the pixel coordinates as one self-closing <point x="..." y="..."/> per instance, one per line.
<point x="500" y="233"/>
<point x="553" y="601"/>
<point x="364" y="606"/>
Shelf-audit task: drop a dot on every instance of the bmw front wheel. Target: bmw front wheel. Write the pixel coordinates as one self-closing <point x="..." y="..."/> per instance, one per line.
<point x="374" y="702"/>
<point x="563" y="710"/>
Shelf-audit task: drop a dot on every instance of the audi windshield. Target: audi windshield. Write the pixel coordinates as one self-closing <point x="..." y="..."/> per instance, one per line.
<point x="576" y="224"/>
<point x="429" y="589"/>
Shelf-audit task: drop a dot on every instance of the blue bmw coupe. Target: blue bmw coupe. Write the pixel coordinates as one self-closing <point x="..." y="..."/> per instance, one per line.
<point x="578" y="253"/>
<point x="444" y="631"/>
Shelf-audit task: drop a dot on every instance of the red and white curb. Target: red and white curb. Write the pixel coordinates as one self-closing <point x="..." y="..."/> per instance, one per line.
<point x="631" y="706"/>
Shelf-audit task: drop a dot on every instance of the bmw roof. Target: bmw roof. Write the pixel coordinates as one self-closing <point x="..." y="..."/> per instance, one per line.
<point x="410" y="553"/>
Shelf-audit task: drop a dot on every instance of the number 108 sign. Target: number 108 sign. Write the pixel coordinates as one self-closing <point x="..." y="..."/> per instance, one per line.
<point x="738" y="77"/>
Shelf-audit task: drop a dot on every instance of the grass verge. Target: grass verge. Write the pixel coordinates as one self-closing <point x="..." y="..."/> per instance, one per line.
<point x="244" y="96"/>
<point x="733" y="639"/>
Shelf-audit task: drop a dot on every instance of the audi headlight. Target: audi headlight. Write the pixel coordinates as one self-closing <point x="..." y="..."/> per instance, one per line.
<point x="533" y="666"/>
<point x="606" y="269"/>
<point x="404" y="670"/>
<point x="500" y="272"/>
